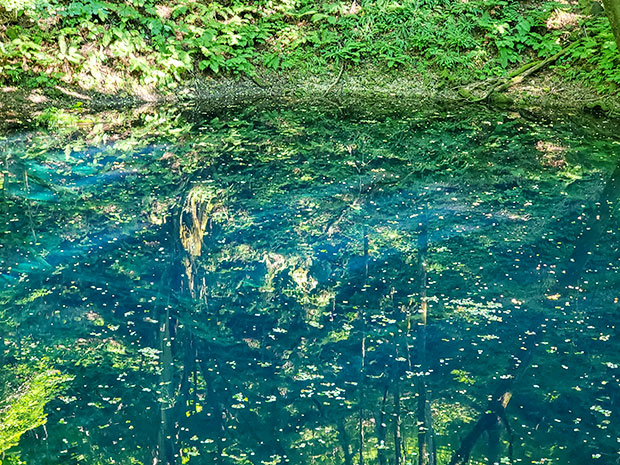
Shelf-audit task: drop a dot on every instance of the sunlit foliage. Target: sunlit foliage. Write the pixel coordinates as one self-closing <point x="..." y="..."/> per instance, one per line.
<point x="160" y="45"/>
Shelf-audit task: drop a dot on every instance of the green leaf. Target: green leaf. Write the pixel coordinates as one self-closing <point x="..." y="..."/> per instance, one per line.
<point x="318" y="17"/>
<point x="62" y="45"/>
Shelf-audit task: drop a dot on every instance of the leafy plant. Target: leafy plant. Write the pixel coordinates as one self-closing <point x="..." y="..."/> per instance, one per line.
<point x="596" y="59"/>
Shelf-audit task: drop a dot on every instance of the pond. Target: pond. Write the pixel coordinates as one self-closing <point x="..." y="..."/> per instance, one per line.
<point x="286" y="284"/>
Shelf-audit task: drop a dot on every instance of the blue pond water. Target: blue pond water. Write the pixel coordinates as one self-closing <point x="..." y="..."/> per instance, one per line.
<point x="274" y="284"/>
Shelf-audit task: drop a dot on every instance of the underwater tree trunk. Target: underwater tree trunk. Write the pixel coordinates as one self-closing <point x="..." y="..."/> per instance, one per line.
<point x="165" y="442"/>
<point x="612" y="8"/>
<point x="217" y="409"/>
<point x="363" y="362"/>
<point x="165" y="448"/>
<point x="397" y="425"/>
<point x="186" y="385"/>
<point x="494" y="433"/>
<point x="380" y="428"/>
<point x="426" y="440"/>
<point x="361" y="406"/>
<point x="343" y="438"/>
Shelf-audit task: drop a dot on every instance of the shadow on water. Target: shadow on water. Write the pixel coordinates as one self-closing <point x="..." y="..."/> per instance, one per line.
<point x="271" y="285"/>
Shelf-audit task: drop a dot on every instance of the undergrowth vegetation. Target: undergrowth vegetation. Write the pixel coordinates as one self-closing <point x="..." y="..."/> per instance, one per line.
<point x="111" y="46"/>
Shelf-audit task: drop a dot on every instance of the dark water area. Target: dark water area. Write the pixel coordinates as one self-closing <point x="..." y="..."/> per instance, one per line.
<point x="281" y="285"/>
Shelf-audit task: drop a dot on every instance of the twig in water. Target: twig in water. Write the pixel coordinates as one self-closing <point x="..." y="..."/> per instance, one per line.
<point x="335" y="82"/>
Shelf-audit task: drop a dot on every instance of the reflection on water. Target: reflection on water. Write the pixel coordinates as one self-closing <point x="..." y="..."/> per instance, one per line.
<point x="265" y="286"/>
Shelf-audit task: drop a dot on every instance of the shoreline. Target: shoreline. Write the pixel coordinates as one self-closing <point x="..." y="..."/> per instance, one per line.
<point x="543" y="93"/>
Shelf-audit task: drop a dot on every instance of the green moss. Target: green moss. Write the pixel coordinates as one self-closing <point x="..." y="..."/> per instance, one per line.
<point x="24" y="409"/>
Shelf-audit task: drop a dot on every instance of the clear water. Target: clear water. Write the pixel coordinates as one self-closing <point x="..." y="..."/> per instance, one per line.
<point x="272" y="284"/>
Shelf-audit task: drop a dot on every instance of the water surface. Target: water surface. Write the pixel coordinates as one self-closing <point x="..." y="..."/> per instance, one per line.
<point x="336" y="285"/>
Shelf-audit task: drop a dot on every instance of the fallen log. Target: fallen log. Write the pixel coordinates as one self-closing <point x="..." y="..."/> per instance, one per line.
<point x="517" y="76"/>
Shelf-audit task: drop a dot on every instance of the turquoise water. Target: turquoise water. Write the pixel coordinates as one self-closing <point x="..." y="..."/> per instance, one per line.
<point x="342" y="285"/>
